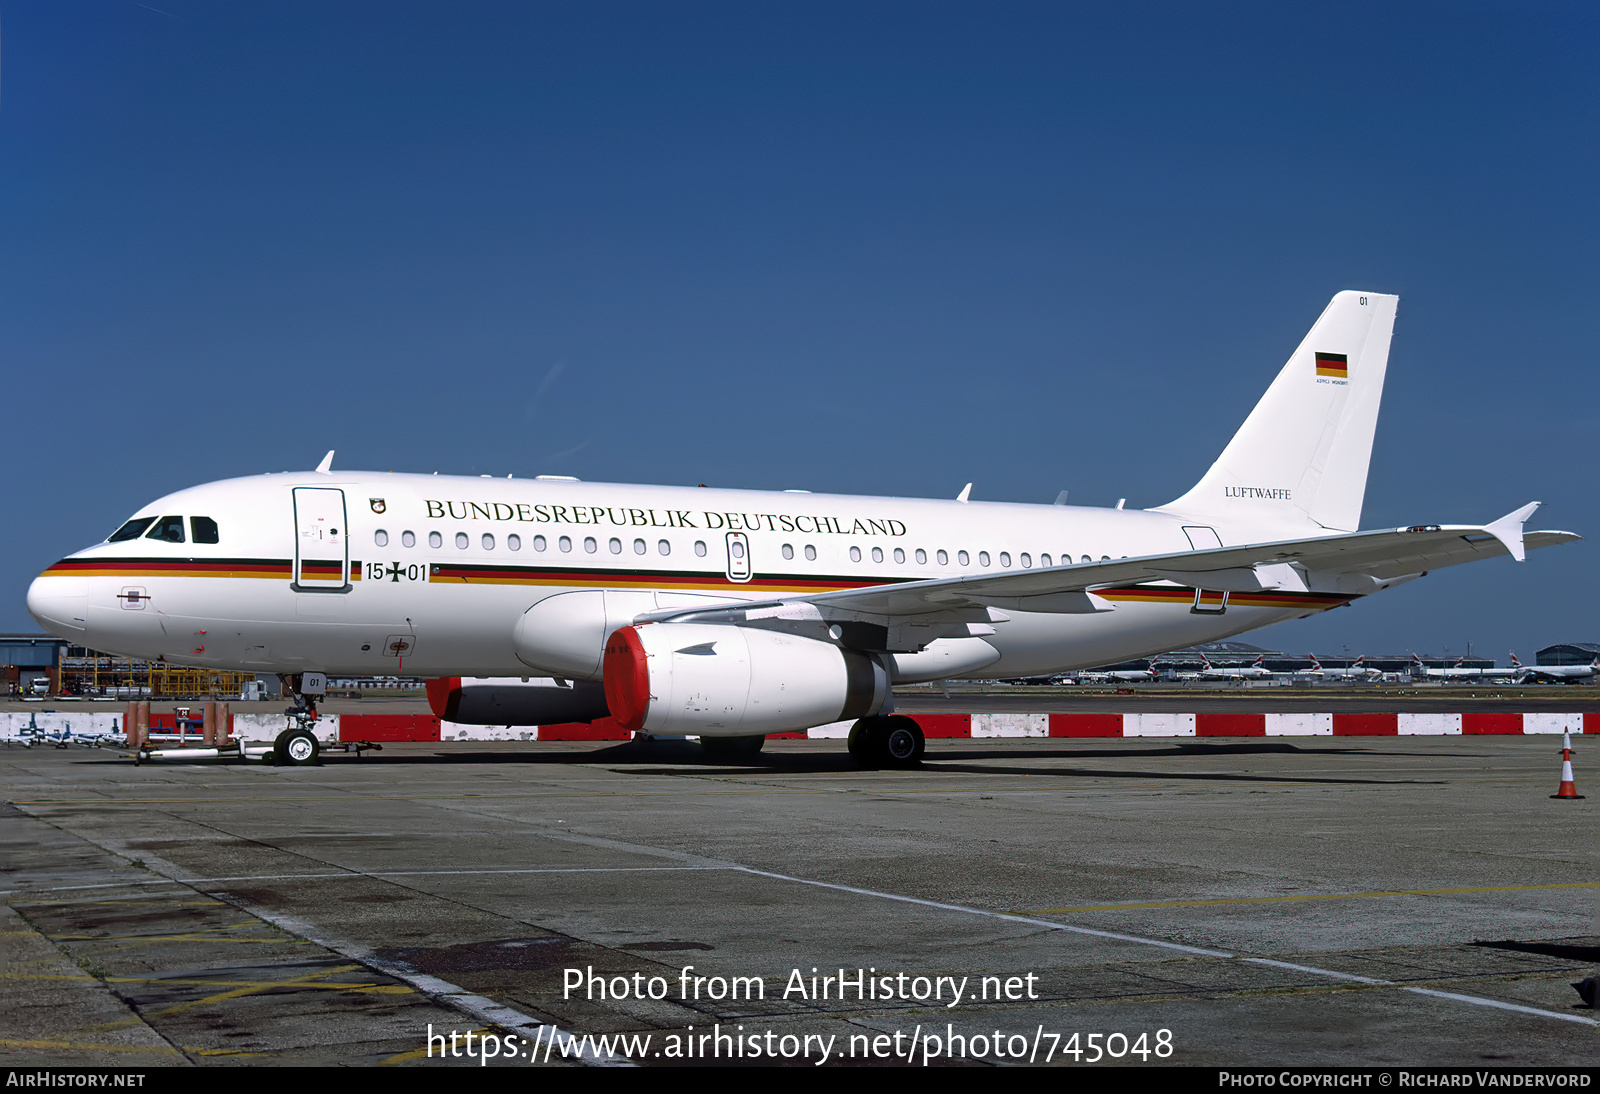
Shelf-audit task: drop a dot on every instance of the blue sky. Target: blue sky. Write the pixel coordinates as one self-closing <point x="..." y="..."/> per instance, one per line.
<point x="867" y="248"/>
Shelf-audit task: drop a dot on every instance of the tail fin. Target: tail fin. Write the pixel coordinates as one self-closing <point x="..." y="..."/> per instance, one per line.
<point x="1300" y="459"/>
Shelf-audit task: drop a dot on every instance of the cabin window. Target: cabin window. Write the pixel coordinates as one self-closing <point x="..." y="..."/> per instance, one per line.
<point x="1086" y="558"/>
<point x="1005" y="559"/>
<point x="963" y="558"/>
<point x="462" y="541"/>
<point x="983" y="558"/>
<point x="943" y="557"/>
<point x="640" y="547"/>
<point x="700" y="547"/>
<point x="877" y="554"/>
<point x="899" y="554"/>
<point x="922" y="556"/>
<point x="664" y="547"/>
<point x="1044" y="560"/>
<point x="488" y="542"/>
<point x="169" y="529"/>
<point x="811" y="552"/>
<point x="514" y="542"/>
<point x="615" y="545"/>
<point x="539" y="543"/>
<point x="855" y="554"/>
<point x="205" y="530"/>
<point x="1027" y="560"/>
<point x="132" y="530"/>
<point x="565" y="543"/>
<point x="381" y="538"/>
<point x="408" y="539"/>
<point x="788" y="550"/>
<point x="590" y="544"/>
<point x="435" y="539"/>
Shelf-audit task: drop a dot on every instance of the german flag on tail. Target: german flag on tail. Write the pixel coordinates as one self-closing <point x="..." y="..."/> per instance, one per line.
<point x="1333" y="364"/>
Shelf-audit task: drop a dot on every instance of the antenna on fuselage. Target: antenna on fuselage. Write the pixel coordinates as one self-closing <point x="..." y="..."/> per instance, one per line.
<point x="1061" y="498"/>
<point x="326" y="466"/>
<point x="966" y="492"/>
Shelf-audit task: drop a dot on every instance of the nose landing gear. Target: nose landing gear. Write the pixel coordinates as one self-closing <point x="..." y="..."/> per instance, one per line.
<point x="298" y="745"/>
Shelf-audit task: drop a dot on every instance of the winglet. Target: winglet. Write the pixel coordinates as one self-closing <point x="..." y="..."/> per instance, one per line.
<point x="1508" y="529"/>
<point x="326" y="466"/>
<point x="966" y="492"/>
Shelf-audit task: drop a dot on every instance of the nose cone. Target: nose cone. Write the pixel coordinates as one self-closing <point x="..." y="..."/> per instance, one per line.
<point x="60" y="604"/>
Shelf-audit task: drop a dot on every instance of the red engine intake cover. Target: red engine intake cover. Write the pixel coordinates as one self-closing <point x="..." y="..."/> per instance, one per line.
<point x="626" y="672"/>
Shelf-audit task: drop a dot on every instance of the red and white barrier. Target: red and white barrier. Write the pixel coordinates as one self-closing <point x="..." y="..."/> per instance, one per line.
<point x="1143" y="724"/>
<point x="426" y="727"/>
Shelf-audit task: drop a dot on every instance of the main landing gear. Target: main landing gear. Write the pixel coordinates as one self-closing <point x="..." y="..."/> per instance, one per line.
<point x="887" y="740"/>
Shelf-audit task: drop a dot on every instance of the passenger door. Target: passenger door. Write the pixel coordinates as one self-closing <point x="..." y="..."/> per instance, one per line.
<point x="321" y="540"/>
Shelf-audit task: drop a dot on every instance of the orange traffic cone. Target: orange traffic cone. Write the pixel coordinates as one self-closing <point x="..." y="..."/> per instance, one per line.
<point x="1568" y="788"/>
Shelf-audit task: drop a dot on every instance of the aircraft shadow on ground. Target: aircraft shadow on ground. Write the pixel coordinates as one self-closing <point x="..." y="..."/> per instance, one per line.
<point x="686" y="758"/>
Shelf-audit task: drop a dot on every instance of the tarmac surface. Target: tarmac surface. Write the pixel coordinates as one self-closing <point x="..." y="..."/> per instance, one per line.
<point x="1375" y="901"/>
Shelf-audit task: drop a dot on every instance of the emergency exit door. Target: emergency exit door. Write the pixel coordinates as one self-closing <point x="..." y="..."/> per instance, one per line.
<point x="321" y="539"/>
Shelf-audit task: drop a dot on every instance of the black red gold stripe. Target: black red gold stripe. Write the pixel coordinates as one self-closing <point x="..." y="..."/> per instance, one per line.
<point x="463" y="574"/>
<point x="1183" y="594"/>
<point x="643" y="579"/>
<point x="1333" y="364"/>
<point x="278" y="569"/>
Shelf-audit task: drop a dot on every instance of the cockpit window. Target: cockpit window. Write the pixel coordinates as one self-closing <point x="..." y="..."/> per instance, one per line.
<point x="204" y="529"/>
<point x="167" y="528"/>
<point x="132" y="530"/>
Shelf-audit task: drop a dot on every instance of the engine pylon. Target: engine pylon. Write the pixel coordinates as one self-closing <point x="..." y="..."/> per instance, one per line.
<point x="1568" y="789"/>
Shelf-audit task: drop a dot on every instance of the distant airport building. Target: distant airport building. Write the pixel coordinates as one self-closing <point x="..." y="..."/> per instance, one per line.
<point x="28" y="658"/>
<point x="1569" y="653"/>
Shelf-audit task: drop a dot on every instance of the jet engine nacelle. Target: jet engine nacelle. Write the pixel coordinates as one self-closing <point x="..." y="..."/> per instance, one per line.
<point x="514" y="702"/>
<point x="719" y="680"/>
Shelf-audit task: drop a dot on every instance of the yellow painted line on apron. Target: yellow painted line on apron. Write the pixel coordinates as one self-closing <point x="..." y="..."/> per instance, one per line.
<point x="165" y="1050"/>
<point x="1308" y="896"/>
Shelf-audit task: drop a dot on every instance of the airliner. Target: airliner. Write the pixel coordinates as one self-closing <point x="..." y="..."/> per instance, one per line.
<point x="1356" y="671"/>
<point x="731" y="614"/>
<point x="1256" y="670"/>
<point x="1553" y="674"/>
<point x="1458" y="671"/>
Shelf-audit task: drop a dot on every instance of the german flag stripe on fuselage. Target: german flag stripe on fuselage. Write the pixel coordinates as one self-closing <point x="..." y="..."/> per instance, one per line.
<point x="272" y="568"/>
<point x="1175" y="594"/>
<point x="584" y="577"/>
<point x="1333" y="364"/>
<point x="645" y="579"/>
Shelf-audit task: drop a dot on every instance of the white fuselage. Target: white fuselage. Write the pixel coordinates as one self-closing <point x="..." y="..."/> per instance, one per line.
<point x="430" y="574"/>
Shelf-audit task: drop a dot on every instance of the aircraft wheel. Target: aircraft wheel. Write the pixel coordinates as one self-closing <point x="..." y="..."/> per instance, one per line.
<point x="298" y="747"/>
<point x="861" y="744"/>
<point x="902" y="742"/>
<point x="891" y="740"/>
<point x="732" y="747"/>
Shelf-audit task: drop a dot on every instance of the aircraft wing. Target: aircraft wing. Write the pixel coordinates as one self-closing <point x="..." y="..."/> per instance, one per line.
<point x="1353" y="562"/>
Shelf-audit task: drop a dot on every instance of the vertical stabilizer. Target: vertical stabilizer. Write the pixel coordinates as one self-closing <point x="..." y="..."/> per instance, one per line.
<point x="1300" y="459"/>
